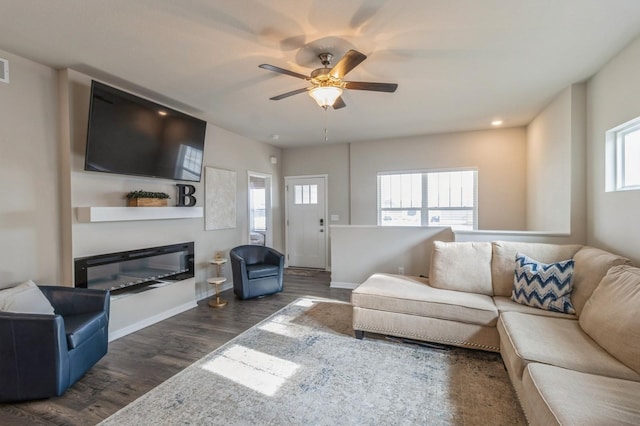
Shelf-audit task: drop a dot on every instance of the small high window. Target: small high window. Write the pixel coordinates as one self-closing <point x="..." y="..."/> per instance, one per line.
<point x="623" y="156"/>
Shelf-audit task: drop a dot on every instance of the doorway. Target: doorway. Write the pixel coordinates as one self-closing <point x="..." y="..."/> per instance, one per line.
<point x="305" y="221"/>
<point x="260" y="223"/>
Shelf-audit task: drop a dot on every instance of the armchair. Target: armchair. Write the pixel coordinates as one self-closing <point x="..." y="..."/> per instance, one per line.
<point x="257" y="271"/>
<point x="42" y="355"/>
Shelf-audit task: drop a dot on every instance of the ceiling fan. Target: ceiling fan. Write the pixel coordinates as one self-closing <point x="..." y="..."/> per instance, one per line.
<point x="327" y="84"/>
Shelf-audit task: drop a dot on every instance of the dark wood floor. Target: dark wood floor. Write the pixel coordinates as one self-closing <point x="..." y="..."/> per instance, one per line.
<point x="140" y="361"/>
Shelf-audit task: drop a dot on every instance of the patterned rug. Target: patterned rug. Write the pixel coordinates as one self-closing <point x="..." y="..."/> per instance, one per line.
<point x="302" y="366"/>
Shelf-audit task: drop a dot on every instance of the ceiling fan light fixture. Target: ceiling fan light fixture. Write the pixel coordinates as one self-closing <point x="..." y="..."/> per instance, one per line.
<point x="325" y="96"/>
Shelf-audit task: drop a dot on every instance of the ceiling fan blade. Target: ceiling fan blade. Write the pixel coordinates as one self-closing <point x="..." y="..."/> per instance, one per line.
<point x="286" y="95"/>
<point x="283" y="71"/>
<point x="375" y="87"/>
<point x="349" y="61"/>
<point x="339" y="103"/>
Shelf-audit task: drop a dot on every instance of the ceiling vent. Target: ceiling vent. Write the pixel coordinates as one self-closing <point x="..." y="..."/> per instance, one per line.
<point x="4" y="70"/>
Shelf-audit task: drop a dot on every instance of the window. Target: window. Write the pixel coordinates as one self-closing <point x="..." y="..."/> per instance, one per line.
<point x="257" y="208"/>
<point x="305" y="194"/>
<point x="446" y="198"/>
<point x="623" y="159"/>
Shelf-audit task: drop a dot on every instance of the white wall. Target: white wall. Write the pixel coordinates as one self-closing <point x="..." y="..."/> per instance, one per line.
<point x="359" y="251"/>
<point x="613" y="97"/>
<point x="556" y="198"/>
<point x="499" y="156"/>
<point x="332" y="160"/>
<point x="29" y="185"/>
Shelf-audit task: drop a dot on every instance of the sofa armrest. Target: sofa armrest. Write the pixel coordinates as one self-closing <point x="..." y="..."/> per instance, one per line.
<point x="73" y="301"/>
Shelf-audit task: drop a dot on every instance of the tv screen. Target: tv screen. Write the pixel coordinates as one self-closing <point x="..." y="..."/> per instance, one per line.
<point x="134" y="136"/>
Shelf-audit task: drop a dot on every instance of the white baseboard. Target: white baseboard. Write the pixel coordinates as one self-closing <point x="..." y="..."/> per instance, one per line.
<point x="338" y="284"/>
<point x="151" y="320"/>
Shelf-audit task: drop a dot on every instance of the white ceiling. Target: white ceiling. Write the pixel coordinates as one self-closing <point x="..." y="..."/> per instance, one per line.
<point x="459" y="63"/>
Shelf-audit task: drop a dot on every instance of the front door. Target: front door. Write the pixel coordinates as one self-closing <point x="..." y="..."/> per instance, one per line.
<point x="306" y="221"/>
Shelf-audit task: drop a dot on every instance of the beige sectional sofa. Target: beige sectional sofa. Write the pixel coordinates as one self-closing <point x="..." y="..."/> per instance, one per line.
<point x="581" y="368"/>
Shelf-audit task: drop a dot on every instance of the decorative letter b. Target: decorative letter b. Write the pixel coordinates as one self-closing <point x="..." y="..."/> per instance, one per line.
<point x="185" y="195"/>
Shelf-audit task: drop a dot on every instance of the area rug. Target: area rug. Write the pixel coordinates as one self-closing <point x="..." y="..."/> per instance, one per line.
<point x="302" y="366"/>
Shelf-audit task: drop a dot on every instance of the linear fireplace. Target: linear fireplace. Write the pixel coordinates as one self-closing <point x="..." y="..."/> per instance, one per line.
<point x="136" y="269"/>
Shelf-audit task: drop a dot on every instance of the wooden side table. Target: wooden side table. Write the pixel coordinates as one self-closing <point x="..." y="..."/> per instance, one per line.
<point x="217" y="281"/>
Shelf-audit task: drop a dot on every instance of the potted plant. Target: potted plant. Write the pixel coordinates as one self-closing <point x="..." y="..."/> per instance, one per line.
<point x="147" y="199"/>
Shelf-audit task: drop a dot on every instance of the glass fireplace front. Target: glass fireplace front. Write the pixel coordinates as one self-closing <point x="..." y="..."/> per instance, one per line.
<point x="132" y="270"/>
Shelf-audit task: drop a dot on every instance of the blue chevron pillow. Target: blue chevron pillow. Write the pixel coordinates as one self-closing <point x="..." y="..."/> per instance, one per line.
<point x="542" y="285"/>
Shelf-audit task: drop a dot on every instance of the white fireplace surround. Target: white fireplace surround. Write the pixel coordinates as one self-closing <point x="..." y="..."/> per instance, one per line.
<point x="131" y="312"/>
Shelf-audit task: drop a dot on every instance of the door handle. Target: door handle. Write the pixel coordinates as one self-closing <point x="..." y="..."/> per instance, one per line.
<point x="321" y="222"/>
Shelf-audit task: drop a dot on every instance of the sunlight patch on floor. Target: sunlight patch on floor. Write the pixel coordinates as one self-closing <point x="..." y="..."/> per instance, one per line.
<point x="305" y="303"/>
<point x="282" y="329"/>
<point x="256" y="370"/>
<point x="284" y="324"/>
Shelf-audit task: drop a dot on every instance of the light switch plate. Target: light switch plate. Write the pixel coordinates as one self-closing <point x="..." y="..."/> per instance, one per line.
<point x="335" y="218"/>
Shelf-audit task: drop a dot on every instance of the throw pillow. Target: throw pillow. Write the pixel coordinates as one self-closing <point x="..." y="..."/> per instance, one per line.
<point x="461" y="267"/>
<point x="25" y="298"/>
<point x="543" y="285"/>
<point x="505" y="251"/>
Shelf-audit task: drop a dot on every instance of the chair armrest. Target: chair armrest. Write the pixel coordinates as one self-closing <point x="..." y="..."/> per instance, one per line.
<point x="73" y="301"/>
<point x="238" y="264"/>
<point x="34" y="360"/>
<point x="235" y="258"/>
<point x="274" y="257"/>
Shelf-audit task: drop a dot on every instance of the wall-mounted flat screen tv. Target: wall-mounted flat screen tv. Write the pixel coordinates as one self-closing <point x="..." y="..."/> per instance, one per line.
<point x="133" y="136"/>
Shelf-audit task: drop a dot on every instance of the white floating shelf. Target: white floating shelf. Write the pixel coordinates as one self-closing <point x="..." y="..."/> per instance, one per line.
<point x="118" y="214"/>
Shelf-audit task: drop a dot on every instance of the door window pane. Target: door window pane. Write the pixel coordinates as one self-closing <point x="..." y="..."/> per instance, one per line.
<point x="305" y="194"/>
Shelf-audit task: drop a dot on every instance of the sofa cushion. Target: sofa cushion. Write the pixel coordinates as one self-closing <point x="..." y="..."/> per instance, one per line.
<point x="261" y="270"/>
<point x="503" y="263"/>
<point x="25" y="298"/>
<point x="612" y="315"/>
<point x="461" y="266"/>
<point x="505" y="304"/>
<point x="413" y="296"/>
<point x="543" y="285"/>
<point x="592" y="265"/>
<point x="559" y="396"/>
<point x="556" y="341"/>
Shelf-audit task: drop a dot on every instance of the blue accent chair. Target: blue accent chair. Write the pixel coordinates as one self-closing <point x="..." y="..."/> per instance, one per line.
<point x="257" y="271"/>
<point x="43" y="355"/>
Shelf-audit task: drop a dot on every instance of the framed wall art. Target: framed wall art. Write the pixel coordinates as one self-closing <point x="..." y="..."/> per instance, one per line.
<point x="220" y="199"/>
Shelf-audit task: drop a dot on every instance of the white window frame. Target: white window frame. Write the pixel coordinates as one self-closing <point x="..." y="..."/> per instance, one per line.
<point x="615" y="156"/>
<point x="424" y="209"/>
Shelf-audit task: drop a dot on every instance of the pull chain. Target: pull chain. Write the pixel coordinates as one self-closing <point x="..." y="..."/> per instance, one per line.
<point x="326" y="119"/>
